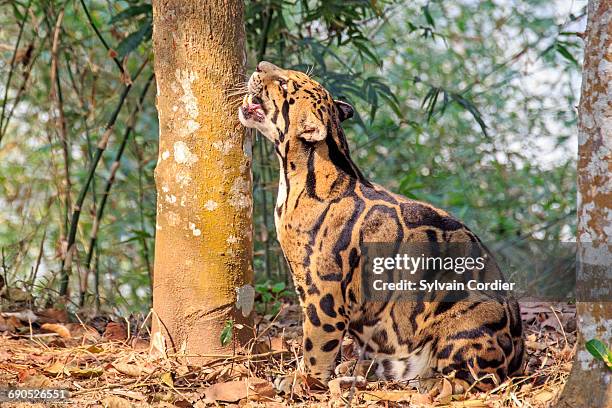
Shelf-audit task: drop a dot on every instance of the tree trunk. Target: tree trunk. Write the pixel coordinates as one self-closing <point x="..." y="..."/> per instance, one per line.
<point x="203" y="245"/>
<point x="590" y="382"/>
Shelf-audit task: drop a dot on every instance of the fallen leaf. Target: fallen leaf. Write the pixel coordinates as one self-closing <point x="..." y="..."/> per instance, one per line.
<point x="13" y="324"/>
<point x="89" y="372"/>
<point x="53" y="316"/>
<point x="262" y="387"/>
<point x="292" y="384"/>
<point x="278" y="344"/>
<point x="130" y="394"/>
<point x="166" y="378"/>
<point x="344" y="383"/>
<point x="115" y="331"/>
<point x="544" y="396"/>
<point x="37" y="381"/>
<point x="534" y="345"/>
<point x="115" y="402"/>
<point x="348" y="347"/>
<point x="182" y="370"/>
<point x="446" y="391"/>
<point x="24" y="315"/>
<point x="473" y="403"/>
<point x="158" y="346"/>
<point x="394" y="396"/>
<point x="57" y="343"/>
<point x="22" y="375"/>
<point x="43" y="359"/>
<point x="420" y="400"/>
<point x="4" y="325"/>
<point x="552" y="322"/>
<point x="334" y="388"/>
<point x="95" y="349"/>
<point x="231" y="391"/>
<point x="17" y="295"/>
<point x="262" y="347"/>
<point x="129" y="369"/>
<point x="60" y="329"/>
<point x="140" y="344"/>
<point x="166" y="396"/>
<point x="56" y="368"/>
<point x="88" y="333"/>
<point x="5" y="355"/>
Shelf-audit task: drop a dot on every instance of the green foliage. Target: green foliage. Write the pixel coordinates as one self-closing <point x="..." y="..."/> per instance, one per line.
<point x="227" y="334"/>
<point x="133" y="40"/>
<point x="270" y="297"/>
<point x="600" y="351"/>
<point x="132" y="12"/>
<point x="143" y="15"/>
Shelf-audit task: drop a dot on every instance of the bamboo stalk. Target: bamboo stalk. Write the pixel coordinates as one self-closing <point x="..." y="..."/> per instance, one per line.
<point x="56" y="95"/>
<point x="11" y="71"/>
<point x="111" y="179"/>
<point x="76" y="212"/>
<point x="99" y="35"/>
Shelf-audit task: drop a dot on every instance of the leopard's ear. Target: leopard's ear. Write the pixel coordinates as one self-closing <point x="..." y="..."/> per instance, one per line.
<point x="312" y="132"/>
<point x="345" y="110"/>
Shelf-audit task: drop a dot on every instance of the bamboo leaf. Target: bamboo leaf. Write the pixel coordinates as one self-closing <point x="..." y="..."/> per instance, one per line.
<point x="135" y="39"/>
<point x="132" y="12"/>
<point x="561" y="49"/>
<point x="428" y="16"/>
<point x="472" y="109"/>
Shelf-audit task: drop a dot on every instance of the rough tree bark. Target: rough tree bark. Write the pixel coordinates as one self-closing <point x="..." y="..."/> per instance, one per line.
<point x="590" y="382"/>
<point x="203" y="246"/>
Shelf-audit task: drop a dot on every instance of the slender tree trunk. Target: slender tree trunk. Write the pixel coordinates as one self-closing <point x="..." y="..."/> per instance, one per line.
<point x="203" y="245"/>
<point x="590" y="382"/>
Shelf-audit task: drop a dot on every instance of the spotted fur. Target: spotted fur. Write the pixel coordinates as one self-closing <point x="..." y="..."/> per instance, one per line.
<point x="326" y="209"/>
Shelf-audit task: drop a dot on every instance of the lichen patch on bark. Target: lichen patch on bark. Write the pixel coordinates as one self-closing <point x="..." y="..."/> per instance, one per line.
<point x="211" y="205"/>
<point x="240" y="197"/>
<point x="182" y="154"/>
<point x="186" y="78"/>
<point x="224" y="146"/>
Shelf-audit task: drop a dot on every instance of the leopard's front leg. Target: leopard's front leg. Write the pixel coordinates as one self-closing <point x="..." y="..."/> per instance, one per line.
<point x="324" y="329"/>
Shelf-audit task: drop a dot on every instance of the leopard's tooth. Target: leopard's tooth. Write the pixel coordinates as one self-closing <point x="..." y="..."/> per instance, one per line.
<point x="245" y="100"/>
<point x="250" y="98"/>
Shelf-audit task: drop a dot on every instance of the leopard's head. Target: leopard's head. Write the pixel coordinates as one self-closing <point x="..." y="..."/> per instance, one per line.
<point x="284" y="104"/>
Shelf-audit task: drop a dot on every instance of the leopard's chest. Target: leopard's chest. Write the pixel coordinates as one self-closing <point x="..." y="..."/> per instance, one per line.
<point x="294" y="233"/>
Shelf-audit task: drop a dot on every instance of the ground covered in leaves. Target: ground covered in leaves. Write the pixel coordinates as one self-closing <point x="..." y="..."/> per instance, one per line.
<point x="105" y="363"/>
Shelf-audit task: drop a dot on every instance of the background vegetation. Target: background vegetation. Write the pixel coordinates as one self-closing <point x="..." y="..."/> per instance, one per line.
<point x="467" y="104"/>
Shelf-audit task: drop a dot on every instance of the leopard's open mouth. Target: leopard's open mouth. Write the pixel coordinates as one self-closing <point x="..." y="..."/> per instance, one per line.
<point x="252" y="108"/>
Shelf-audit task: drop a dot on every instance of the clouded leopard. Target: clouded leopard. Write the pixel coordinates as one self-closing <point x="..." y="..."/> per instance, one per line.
<point x="326" y="209"/>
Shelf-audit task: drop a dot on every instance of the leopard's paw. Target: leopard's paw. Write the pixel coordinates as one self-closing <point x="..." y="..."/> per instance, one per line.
<point x="362" y="368"/>
<point x="297" y="383"/>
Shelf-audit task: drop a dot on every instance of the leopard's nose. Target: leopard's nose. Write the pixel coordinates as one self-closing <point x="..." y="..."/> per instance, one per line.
<point x="265" y="66"/>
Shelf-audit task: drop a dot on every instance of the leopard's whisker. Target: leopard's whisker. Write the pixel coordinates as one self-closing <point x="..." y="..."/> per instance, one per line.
<point x="310" y="71"/>
<point x="241" y="82"/>
<point x="233" y="88"/>
<point x="236" y="93"/>
<point x="236" y="90"/>
<point x="236" y="100"/>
